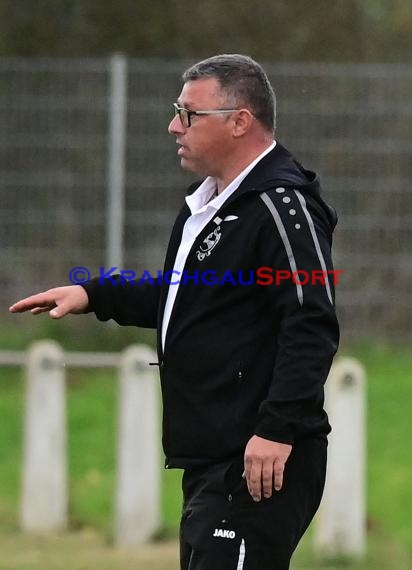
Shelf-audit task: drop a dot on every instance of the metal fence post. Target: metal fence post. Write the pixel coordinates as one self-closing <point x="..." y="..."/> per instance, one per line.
<point x="138" y="477"/>
<point x="44" y="493"/>
<point x="117" y="160"/>
<point x="341" y="521"/>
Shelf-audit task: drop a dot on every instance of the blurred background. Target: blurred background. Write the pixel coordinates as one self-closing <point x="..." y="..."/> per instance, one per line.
<point x="86" y="89"/>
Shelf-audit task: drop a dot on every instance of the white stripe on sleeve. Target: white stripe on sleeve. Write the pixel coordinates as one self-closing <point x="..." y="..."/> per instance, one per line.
<point x="282" y="231"/>
<point x="315" y="241"/>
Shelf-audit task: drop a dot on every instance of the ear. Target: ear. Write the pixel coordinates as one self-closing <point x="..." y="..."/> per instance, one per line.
<point x="242" y="122"/>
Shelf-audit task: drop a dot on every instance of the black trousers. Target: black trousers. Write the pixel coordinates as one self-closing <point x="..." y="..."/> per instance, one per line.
<point x="222" y="528"/>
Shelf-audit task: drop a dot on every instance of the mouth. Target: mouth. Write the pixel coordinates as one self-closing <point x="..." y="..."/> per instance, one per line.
<point x="181" y="149"/>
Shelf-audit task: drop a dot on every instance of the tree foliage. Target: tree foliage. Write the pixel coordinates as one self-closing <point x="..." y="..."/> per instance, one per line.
<point x="281" y="30"/>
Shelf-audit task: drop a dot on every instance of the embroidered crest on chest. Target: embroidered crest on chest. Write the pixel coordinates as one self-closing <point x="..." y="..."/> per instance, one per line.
<point x="211" y="240"/>
<point x="208" y="244"/>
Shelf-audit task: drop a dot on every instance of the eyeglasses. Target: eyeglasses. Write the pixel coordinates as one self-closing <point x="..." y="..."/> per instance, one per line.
<point x="185" y="115"/>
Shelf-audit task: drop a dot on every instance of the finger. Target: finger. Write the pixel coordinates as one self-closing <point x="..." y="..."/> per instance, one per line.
<point x="267" y="479"/>
<point x="38" y="310"/>
<point x="248" y="467"/>
<point x="279" y="468"/>
<point x="59" y="311"/>
<point x="255" y="480"/>
<point x="40" y="300"/>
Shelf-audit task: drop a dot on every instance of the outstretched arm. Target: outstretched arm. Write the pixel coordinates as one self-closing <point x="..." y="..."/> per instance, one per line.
<point x="127" y="303"/>
<point x="59" y="301"/>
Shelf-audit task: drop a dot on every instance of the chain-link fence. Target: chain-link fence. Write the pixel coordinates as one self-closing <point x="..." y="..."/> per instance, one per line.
<point x="351" y="123"/>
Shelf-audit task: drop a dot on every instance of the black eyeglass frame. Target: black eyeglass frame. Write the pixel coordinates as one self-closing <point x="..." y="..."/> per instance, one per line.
<point x="185" y="115"/>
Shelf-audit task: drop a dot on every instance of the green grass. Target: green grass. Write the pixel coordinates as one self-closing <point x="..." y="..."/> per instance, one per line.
<point x="389" y="469"/>
<point x="91" y="417"/>
<point x="11" y="414"/>
<point x="92" y="441"/>
<point x="92" y="438"/>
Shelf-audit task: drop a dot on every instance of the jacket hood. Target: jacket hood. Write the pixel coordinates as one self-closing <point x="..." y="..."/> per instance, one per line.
<point x="280" y="168"/>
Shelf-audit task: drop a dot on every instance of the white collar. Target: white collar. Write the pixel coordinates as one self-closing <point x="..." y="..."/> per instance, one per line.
<point x="199" y="201"/>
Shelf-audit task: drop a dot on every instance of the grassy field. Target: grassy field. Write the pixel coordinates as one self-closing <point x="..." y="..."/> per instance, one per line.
<point x="92" y="435"/>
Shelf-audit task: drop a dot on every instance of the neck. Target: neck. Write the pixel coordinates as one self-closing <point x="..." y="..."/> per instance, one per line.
<point x="238" y="164"/>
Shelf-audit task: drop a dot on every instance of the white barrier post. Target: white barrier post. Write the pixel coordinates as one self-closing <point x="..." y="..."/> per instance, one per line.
<point x="341" y="521"/>
<point x="44" y="493"/>
<point x="138" y="477"/>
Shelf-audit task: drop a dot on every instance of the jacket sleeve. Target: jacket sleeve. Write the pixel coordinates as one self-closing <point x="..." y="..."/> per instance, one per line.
<point x="297" y="238"/>
<point x="128" y="302"/>
<point x="131" y="302"/>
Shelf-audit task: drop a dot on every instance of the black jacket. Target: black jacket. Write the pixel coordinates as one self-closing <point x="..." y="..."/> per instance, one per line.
<point x="242" y="359"/>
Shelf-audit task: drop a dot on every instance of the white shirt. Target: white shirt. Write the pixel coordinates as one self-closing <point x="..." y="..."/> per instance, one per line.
<point x="202" y="212"/>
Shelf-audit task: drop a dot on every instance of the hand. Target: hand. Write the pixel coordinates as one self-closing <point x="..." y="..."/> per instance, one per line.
<point x="59" y="301"/>
<point x="264" y="465"/>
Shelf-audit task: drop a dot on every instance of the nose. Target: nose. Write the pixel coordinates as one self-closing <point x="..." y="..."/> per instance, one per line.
<point x="175" y="126"/>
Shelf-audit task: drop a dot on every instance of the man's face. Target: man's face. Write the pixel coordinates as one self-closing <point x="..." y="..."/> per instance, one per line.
<point x="205" y="146"/>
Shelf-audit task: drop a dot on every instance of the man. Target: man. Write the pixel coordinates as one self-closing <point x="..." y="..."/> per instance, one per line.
<point x="246" y="339"/>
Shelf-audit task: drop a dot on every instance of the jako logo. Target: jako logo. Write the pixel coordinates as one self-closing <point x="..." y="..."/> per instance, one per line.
<point x="224" y="533"/>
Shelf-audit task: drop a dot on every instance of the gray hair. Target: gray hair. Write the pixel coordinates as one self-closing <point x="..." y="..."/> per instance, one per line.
<point x="243" y="80"/>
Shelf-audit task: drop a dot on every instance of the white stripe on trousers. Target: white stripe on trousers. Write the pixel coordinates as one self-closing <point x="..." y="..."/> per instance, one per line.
<point x="242" y="552"/>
